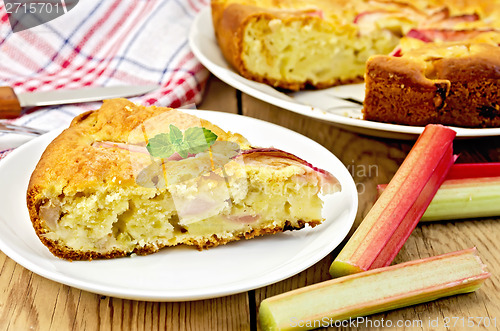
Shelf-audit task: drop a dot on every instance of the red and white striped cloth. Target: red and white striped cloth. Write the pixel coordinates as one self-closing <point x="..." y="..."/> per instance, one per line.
<point x="103" y="43"/>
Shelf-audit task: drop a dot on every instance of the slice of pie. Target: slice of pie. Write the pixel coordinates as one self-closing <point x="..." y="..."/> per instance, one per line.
<point x="131" y="179"/>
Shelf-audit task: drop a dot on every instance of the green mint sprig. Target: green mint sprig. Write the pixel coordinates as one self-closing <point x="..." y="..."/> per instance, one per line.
<point x="194" y="140"/>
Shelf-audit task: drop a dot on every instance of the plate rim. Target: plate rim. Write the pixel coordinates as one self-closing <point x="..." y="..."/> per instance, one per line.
<point x="149" y="295"/>
<point x="367" y="127"/>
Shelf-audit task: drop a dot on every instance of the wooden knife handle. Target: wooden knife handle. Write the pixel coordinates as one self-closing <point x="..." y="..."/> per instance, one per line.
<point x="9" y="103"/>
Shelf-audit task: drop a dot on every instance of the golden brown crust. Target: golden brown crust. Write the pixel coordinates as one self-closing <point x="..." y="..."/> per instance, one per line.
<point x="215" y="241"/>
<point x="453" y="90"/>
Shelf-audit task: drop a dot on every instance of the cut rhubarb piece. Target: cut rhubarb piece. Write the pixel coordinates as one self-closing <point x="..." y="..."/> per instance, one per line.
<point x="431" y="35"/>
<point x="395" y="214"/>
<point x="374" y="291"/>
<point x="463" y="198"/>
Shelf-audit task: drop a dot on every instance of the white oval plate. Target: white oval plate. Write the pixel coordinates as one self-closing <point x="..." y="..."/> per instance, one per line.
<point x="321" y="104"/>
<point x="183" y="273"/>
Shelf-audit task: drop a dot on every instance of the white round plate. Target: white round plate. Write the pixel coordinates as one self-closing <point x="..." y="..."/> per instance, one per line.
<point x="183" y="273"/>
<point x="321" y="104"/>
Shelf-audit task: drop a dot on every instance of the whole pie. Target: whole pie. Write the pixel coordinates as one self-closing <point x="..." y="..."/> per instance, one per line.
<point x="295" y="44"/>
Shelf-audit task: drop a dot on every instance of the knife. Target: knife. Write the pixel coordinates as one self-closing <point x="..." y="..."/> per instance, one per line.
<point x="11" y="104"/>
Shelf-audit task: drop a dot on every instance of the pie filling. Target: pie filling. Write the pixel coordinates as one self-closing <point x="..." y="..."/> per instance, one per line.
<point x="192" y="201"/>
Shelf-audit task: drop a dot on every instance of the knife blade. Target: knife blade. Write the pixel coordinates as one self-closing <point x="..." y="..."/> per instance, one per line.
<point x="11" y="104"/>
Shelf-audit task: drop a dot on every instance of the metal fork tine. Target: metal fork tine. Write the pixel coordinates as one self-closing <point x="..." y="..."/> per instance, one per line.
<point x="12" y="128"/>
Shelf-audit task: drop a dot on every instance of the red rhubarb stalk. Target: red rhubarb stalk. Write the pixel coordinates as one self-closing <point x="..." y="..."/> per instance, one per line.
<point x="465" y="171"/>
<point x="474" y="170"/>
<point x="396" y="213"/>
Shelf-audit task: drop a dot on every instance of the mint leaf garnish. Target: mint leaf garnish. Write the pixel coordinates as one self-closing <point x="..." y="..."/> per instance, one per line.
<point x="210" y="137"/>
<point x="194" y="140"/>
<point x="160" y="146"/>
<point x="175" y="135"/>
<point x="199" y="139"/>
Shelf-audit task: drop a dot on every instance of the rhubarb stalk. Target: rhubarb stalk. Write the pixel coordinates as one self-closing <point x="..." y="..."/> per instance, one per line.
<point x="374" y="291"/>
<point x="396" y="213"/>
<point x="465" y="198"/>
<point x="474" y="170"/>
<point x="471" y="190"/>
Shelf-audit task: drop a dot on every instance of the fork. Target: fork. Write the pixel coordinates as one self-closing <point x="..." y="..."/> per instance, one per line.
<point x="6" y="127"/>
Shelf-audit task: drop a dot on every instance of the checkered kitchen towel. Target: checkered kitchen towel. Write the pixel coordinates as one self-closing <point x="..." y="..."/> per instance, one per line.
<point x="102" y="43"/>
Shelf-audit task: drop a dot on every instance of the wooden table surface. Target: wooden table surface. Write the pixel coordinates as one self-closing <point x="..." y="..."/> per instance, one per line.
<point x="31" y="302"/>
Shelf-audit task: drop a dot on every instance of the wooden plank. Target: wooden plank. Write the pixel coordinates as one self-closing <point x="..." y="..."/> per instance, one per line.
<point x="219" y="96"/>
<point x="28" y="301"/>
<point x="374" y="161"/>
